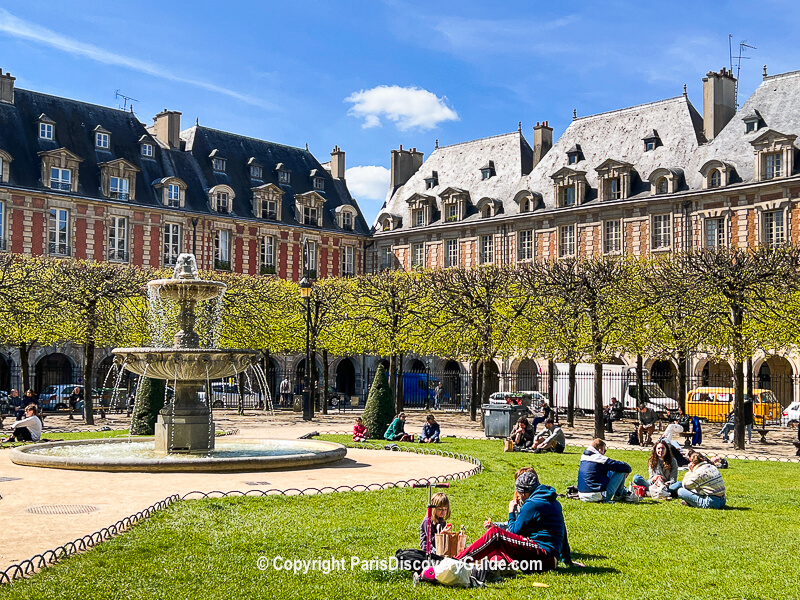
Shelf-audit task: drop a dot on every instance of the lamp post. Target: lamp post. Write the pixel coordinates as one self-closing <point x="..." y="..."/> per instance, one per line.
<point x="305" y="293"/>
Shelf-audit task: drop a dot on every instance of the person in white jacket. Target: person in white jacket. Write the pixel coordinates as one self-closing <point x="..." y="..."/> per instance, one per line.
<point x="29" y="428"/>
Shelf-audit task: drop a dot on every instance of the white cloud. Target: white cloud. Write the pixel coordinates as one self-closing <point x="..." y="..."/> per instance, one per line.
<point x="368" y="182"/>
<point x="408" y="107"/>
<point x="34" y="33"/>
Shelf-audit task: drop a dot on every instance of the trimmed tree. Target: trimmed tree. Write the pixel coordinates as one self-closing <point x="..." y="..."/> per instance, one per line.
<point x="149" y="400"/>
<point x="379" y="410"/>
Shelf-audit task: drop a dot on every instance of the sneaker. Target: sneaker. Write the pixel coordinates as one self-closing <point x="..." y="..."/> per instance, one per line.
<point x="631" y="498"/>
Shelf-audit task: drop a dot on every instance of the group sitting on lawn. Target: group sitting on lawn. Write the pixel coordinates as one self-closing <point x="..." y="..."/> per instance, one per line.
<point x="396" y="431"/>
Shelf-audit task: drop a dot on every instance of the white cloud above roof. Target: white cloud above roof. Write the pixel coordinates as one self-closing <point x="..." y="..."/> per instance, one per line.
<point x="407" y="107"/>
<point x="368" y="182"/>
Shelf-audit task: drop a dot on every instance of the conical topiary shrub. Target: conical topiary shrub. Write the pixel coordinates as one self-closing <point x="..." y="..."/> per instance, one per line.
<point x="149" y="400"/>
<point x="379" y="409"/>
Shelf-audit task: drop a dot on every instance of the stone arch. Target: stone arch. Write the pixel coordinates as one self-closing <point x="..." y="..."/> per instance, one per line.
<point x="715" y="373"/>
<point x="6" y="365"/>
<point x="775" y="373"/>
<point x="55" y="369"/>
<point x="526" y="376"/>
<point x="616" y="360"/>
<point x="665" y="374"/>
<point x="452" y="381"/>
<point x="346" y="377"/>
<point x="492" y="373"/>
<point x="416" y="366"/>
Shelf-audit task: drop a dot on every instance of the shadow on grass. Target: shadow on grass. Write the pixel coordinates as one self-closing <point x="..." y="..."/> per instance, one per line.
<point x="581" y="557"/>
<point x="587" y="570"/>
<point x="728" y="507"/>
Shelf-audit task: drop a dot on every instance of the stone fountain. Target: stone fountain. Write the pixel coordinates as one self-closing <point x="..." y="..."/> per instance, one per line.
<point x="184" y="436"/>
<point x="184" y="425"/>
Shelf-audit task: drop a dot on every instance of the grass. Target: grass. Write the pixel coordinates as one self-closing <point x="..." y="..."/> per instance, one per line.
<point x="209" y="548"/>
<point x="82" y="435"/>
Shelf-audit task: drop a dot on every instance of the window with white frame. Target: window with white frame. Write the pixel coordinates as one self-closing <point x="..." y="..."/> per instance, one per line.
<point x="60" y="179"/>
<point x="118" y="239"/>
<point x="46" y="131"/>
<point x="487" y="249"/>
<point x="102" y="140"/>
<point x="58" y="232"/>
<point x="715" y="233"/>
<point x="172" y="244"/>
<point x="284" y="177"/>
<point x="714" y="179"/>
<point x="269" y="208"/>
<point x="268" y="255"/>
<point x="567" y="195"/>
<point x="310" y="258"/>
<point x="451" y="211"/>
<point x="174" y="195"/>
<point x="662" y="232"/>
<point x="417" y="255"/>
<point x="147" y="150"/>
<point x="525" y="244"/>
<point x="222" y="250"/>
<point x="387" y="258"/>
<point x="662" y="185"/>
<point x="451" y="253"/>
<point x="118" y="188"/>
<point x="348" y="261"/>
<point x="223" y="202"/>
<point x="773" y="164"/>
<point x="613" y="189"/>
<point x="319" y="184"/>
<point x="566" y="240"/>
<point x="418" y="217"/>
<point x="774" y="228"/>
<point x="256" y="171"/>
<point x="612" y="237"/>
<point x="347" y="220"/>
<point x="310" y="215"/>
<point x="219" y="164"/>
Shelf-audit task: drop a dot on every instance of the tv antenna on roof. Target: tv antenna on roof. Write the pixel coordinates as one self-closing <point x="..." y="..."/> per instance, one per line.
<point x="743" y="45"/>
<point x="125" y="99"/>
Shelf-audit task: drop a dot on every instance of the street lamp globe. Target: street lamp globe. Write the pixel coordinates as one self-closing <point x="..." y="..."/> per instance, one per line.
<point x="305" y="287"/>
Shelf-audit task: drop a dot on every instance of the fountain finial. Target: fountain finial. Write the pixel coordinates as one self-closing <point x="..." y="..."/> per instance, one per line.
<point x="185" y="267"/>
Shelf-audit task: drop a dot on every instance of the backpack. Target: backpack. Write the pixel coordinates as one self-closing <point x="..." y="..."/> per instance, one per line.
<point x="415" y="560"/>
<point x="633" y="438"/>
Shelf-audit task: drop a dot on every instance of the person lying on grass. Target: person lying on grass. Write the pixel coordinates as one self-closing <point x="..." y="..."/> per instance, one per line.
<point x="536" y="535"/>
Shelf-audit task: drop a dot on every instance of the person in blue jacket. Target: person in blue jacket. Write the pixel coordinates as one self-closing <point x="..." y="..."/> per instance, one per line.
<point x="430" y="431"/>
<point x="601" y="479"/>
<point x="536" y="538"/>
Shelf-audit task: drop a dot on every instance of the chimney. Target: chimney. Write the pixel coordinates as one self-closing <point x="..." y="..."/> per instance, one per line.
<point x="167" y="127"/>
<point x="6" y="87"/>
<point x="404" y="164"/>
<point x="337" y="163"/>
<point x="542" y="141"/>
<point x="719" y="101"/>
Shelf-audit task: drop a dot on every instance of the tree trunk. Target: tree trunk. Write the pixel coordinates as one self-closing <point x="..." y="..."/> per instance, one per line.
<point x="571" y="395"/>
<point x="682" y="391"/>
<point x="473" y="390"/>
<point x="551" y="381"/>
<point x="393" y="383"/>
<point x="599" y="429"/>
<point x="88" y="373"/>
<point x="738" y="407"/>
<point x="314" y="382"/>
<point x="240" y="406"/>
<point x="24" y="363"/>
<point x="400" y="403"/>
<point x="268" y="393"/>
<point x="641" y="396"/>
<point x="325" y="386"/>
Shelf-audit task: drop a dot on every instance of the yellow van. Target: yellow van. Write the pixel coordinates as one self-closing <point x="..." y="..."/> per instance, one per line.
<point x="714" y="404"/>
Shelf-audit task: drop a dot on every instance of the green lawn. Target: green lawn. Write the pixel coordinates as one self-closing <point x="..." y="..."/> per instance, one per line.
<point x="83" y="435"/>
<point x="209" y="548"/>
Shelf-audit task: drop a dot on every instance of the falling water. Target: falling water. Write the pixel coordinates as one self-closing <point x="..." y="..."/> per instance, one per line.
<point x="209" y="404"/>
<point x="136" y="399"/>
<point x="216" y="319"/>
<point x="262" y="379"/>
<point x="158" y="325"/>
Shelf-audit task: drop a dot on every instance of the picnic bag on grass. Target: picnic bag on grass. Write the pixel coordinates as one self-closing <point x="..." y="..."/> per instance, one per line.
<point x="453" y="573"/>
<point x="508" y="446"/>
<point x="450" y="543"/>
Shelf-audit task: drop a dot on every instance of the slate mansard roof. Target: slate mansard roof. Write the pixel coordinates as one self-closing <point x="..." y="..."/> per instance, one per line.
<point x="76" y="121"/>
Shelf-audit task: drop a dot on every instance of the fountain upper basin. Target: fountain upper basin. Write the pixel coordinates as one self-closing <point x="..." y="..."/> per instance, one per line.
<point x="187" y="289"/>
<point x="188" y="364"/>
<point x="140" y="455"/>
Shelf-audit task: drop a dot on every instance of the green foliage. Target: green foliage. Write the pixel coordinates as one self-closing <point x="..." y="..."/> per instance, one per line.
<point x="379" y="409"/>
<point x="149" y="400"/>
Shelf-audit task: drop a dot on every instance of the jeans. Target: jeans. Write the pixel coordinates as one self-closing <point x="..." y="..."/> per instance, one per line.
<point x="536" y="421"/>
<point x="725" y="431"/>
<point x="699" y="501"/>
<point x="639" y="480"/>
<point x="673" y="488"/>
<point x="615" y="486"/>
<point x="749" y="430"/>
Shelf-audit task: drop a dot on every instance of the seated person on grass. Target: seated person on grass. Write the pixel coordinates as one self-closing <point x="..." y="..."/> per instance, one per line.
<point x="552" y="440"/>
<point x="546" y="411"/>
<point x="601" y="479"/>
<point x="536" y="529"/>
<point x="430" y="431"/>
<point x="522" y="434"/>
<point x="662" y="468"/>
<point x="647" y="424"/>
<point x="396" y="431"/>
<point x="702" y="486"/>
<point x="27" y="429"/>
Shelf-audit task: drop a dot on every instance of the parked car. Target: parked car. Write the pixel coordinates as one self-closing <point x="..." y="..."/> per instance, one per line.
<point x="56" y="397"/>
<point x="791" y="414"/>
<point x="714" y="403"/>
<point x="226" y="395"/>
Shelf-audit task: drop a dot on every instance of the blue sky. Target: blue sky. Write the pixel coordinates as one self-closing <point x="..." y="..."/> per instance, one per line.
<point x="371" y="75"/>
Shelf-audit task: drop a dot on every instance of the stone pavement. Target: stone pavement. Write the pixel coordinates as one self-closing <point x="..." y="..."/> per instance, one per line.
<point x="112" y="496"/>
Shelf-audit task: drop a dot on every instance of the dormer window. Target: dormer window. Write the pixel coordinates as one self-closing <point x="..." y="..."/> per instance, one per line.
<point x="118" y="188"/>
<point x="346" y="217"/>
<point x="269" y="208"/>
<point x="223" y="202"/>
<point x="716" y="173"/>
<point x="432" y="181"/>
<point x="256" y="171"/>
<point x="219" y="164"/>
<point x="284" y="174"/>
<point x="5" y="172"/>
<point x="172" y="191"/>
<point x="772" y="165"/>
<point x="486" y="212"/>
<point x="662" y="186"/>
<point x="102" y="138"/>
<point x="418" y="217"/>
<point x="665" y="181"/>
<point x="387" y="221"/>
<point x="347" y="220"/>
<point x="714" y="179"/>
<point x="574" y="155"/>
<point x="614" y="191"/>
<point x="147" y="150"/>
<point x="753" y="122"/>
<point x="310" y="216"/>
<point x="567" y="196"/>
<point x="488" y="171"/>
<point x="319" y="184"/>
<point x="774" y="155"/>
<point x="220" y="199"/>
<point x="60" y="169"/>
<point x="173" y="195"/>
<point x="46" y="127"/>
<point x="308" y="208"/>
<point x="60" y="179"/>
<point x="267" y="201"/>
<point x="614" y="179"/>
<point x="569" y="187"/>
<point x="750" y="126"/>
<point x="451" y="211"/>
<point x="651" y="141"/>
